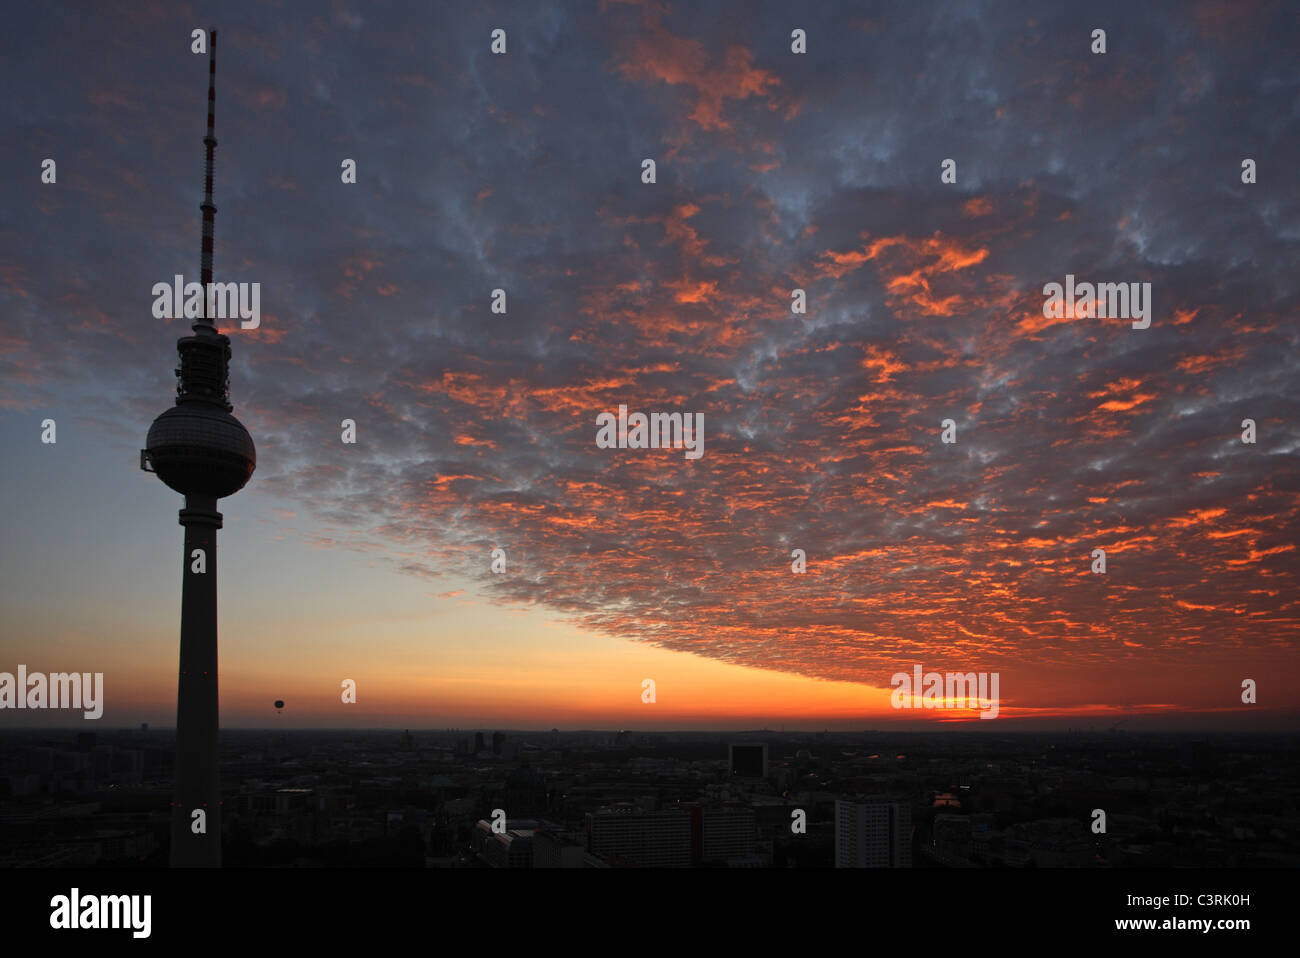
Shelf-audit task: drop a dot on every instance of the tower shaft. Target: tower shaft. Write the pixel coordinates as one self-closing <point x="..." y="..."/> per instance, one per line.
<point x="198" y="782"/>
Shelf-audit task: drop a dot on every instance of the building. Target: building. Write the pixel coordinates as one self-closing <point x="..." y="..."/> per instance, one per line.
<point x="525" y="790"/>
<point x="747" y="761"/>
<point x="954" y="835"/>
<point x="728" y="834"/>
<point x="512" y="848"/>
<point x="649" y="839"/>
<point x="557" y="849"/>
<point x="872" y="835"/>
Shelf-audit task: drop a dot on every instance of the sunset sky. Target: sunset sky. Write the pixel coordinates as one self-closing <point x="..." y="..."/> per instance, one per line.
<point x="477" y="431"/>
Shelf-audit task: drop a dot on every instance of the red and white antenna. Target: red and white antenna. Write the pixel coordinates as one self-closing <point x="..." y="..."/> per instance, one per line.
<point x="210" y="145"/>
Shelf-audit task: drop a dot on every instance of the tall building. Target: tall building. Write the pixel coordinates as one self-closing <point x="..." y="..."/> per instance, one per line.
<point x="649" y="839"/>
<point x="727" y="834"/>
<point x="747" y="761"/>
<point x="203" y="452"/>
<point x="872" y="835"/>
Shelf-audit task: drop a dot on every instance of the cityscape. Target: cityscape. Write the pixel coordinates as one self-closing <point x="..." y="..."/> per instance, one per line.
<point x="617" y="799"/>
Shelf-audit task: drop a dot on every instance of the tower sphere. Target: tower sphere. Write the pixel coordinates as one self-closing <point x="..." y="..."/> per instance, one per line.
<point x="199" y="449"/>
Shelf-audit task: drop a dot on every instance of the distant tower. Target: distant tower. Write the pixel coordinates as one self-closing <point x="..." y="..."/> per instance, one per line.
<point x="203" y="452"/>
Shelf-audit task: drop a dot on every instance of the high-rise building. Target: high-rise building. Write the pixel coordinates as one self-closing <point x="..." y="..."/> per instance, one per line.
<point x="872" y="835"/>
<point x="728" y="833"/>
<point x="747" y="760"/>
<point x="649" y="839"/>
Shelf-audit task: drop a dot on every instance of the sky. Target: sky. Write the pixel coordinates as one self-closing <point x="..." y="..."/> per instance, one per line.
<point x="476" y="430"/>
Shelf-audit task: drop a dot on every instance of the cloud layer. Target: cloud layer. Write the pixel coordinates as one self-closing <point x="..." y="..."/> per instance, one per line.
<point x="776" y="171"/>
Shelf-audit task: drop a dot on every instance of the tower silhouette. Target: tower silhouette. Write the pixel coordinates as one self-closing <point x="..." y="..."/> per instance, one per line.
<point x="203" y="452"/>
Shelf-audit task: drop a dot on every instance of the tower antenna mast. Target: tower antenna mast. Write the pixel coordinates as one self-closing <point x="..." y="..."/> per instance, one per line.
<point x="210" y="146"/>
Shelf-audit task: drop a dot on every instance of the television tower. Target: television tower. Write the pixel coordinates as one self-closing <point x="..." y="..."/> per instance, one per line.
<point x="203" y="452"/>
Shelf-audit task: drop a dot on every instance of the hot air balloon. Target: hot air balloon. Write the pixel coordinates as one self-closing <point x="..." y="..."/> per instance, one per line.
<point x="279" y="704"/>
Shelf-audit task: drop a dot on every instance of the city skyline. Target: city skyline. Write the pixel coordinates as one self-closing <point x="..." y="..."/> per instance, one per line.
<point x="477" y="430"/>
